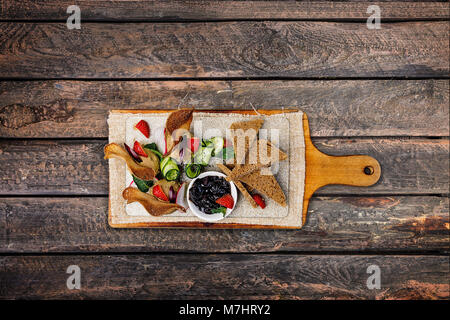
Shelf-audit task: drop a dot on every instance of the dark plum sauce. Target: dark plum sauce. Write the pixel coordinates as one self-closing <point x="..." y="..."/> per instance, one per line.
<point x="205" y="191"/>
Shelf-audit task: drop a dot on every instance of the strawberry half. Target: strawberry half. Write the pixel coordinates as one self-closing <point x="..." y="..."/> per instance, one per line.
<point x="227" y="143"/>
<point x="194" y="143"/>
<point x="159" y="193"/>
<point x="226" y="201"/>
<point x="138" y="149"/>
<point x="259" y="200"/>
<point x="143" y="127"/>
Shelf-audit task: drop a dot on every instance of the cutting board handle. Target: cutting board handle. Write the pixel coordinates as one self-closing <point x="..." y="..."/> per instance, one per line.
<point x="323" y="169"/>
<point x="360" y="171"/>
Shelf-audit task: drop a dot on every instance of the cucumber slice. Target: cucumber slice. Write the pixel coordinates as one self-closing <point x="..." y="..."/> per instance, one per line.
<point x="163" y="163"/>
<point x="172" y="174"/>
<point x="170" y="165"/>
<point x="203" y="155"/>
<point x="218" y="145"/>
<point x="193" y="170"/>
<point x="170" y="169"/>
<point x="207" y="143"/>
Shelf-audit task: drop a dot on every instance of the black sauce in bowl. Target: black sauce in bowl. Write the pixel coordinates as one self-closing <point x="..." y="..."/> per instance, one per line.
<point x="205" y="191"/>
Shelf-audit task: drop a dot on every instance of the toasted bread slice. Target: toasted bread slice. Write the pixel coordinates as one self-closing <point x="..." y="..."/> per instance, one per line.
<point x="262" y="154"/>
<point x="249" y="189"/>
<point x="239" y="185"/>
<point x="266" y="184"/>
<point x="244" y="134"/>
<point x="246" y="186"/>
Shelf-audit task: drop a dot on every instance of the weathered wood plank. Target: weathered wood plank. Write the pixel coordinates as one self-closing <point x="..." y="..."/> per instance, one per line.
<point x="30" y="167"/>
<point x="224" y="49"/>
<point x="225" y="277"/>
<point x="54" y="109"/>
<point x="405" y="164"/>
<point x="93" y="10"/>
<point x="352" y="224"/>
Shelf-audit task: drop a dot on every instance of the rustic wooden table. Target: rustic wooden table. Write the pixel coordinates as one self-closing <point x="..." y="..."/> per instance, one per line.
<point x="382" y="92"/>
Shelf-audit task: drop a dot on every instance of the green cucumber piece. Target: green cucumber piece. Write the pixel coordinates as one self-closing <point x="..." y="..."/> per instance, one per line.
<point x="203" y="155"/>
<point x="169" y="165"/>
<point x="170" y="170"/>
<point x="163" y="162"/>
<point x="207" y="143"/>
<point x="218" y="145"/>
<point x="172" y="174"/>
<point x="193" y="170"/>
<point x="143" y="185"/>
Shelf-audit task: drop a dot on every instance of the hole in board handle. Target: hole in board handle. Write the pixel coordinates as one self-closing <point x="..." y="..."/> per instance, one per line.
<point x="369" y="170"/>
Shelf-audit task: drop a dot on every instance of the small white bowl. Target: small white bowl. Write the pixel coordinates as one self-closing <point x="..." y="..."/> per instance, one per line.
<point x="215" y="216"/>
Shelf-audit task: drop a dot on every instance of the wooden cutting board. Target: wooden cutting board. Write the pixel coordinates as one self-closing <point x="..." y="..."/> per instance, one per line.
<point x="321" y="170"/>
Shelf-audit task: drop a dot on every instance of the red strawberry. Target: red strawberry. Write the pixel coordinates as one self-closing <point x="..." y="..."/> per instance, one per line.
<point x="259" y="200"/>
<point x="159" y="193"/>
<point x="138" y="149"/>
<point x="194" y="144"/>
<point x="143" y="127"/>
<point x="227" y="143"/>
<point x="226" y="201"/>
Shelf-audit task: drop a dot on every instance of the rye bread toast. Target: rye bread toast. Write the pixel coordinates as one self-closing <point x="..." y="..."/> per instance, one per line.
<point x="244" y="134"/>
<point x="266" y="184"/>
<point x="239" y="185"/>
<point x="262" y="154"/>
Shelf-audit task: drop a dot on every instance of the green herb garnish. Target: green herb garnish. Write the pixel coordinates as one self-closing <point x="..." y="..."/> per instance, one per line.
<point x="142" y="185"/>
<point x="221" y="210"/>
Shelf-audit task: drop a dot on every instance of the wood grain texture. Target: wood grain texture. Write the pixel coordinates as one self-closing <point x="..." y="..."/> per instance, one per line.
<point x="398" y="215"/>
<point x="93" y="10"/>
<point x="224" y="49"/>
<point x="58" y="109"/>
<point x="405" y="164"/>
<point x="75" y="167"/>
<point x="322" y="170"/>
<point x="225" y="276"/>
<point x="344" y="224"/>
